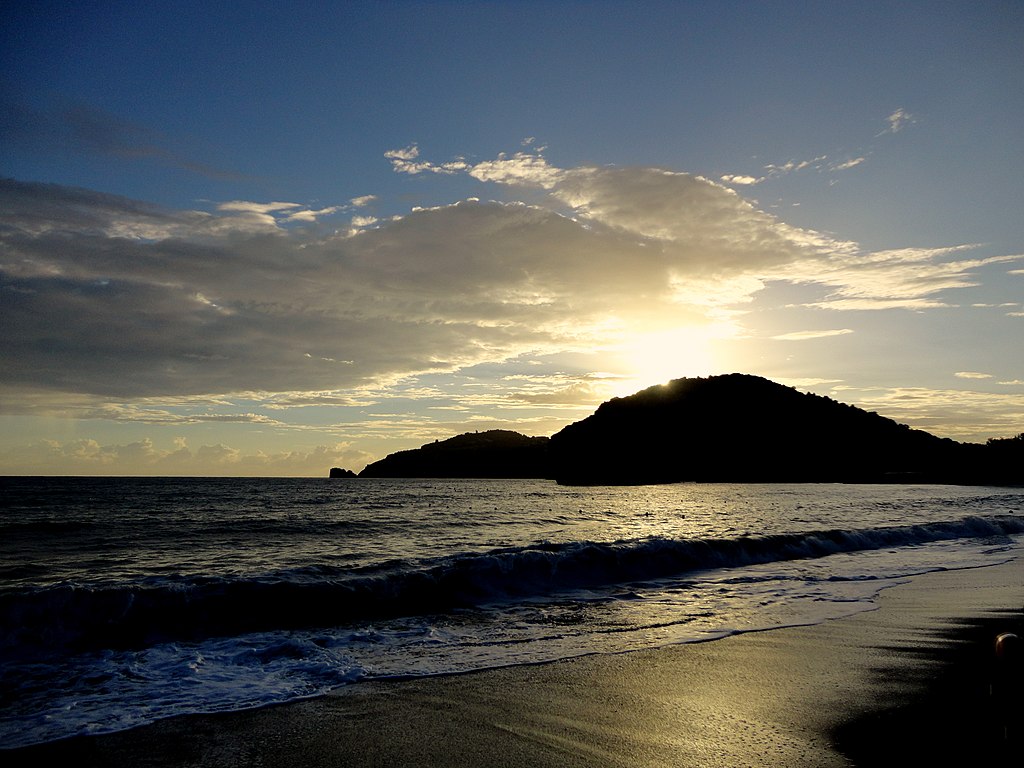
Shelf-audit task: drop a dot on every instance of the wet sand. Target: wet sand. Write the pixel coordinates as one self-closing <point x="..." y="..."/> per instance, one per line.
<point x="909" y="682"/>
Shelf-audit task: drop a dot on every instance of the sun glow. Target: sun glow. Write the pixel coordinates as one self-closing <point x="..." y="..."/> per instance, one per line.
<point x="655" y="357"/>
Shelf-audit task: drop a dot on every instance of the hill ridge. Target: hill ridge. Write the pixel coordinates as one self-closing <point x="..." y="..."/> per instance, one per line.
<point x="732" y="427"/>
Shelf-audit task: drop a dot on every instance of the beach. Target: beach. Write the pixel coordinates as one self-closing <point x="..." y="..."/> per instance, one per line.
<point x="908" y="680"/>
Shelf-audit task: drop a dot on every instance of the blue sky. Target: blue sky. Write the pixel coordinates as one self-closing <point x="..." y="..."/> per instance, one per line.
<point x="270" y="239"/>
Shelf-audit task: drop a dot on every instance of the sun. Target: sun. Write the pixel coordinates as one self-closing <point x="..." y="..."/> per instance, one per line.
<point x="655" y="357"/>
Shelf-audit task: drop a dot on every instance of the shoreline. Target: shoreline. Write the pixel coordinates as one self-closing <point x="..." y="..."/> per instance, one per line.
<point x="909" y="679"/>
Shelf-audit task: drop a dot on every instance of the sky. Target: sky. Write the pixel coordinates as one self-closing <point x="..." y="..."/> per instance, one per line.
<point x="272" y="238"/>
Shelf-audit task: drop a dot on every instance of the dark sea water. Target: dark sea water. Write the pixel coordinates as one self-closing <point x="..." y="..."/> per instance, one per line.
<point x="125" y="600"/>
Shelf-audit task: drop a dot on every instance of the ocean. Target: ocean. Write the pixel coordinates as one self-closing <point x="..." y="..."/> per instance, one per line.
<point x="127" y="600"/>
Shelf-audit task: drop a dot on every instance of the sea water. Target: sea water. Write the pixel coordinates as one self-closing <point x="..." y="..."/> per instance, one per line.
<point x="126" y="600"/>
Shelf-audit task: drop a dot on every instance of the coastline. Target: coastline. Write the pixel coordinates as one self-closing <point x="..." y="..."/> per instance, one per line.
<point x="910" y="678"/>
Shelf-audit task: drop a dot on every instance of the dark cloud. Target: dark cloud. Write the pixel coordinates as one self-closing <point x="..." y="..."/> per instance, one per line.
<point x="79" y="128"/>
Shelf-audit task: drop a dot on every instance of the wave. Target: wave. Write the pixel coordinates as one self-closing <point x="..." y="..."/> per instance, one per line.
<point x="56" y="619"/>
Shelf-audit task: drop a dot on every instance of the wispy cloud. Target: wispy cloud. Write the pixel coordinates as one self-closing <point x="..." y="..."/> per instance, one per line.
<point x="847" y="164"/>
<point x="820" y="164"/>
<point x="897" y="121"/>
<point x="775" y="170"/>
<point x="83" y="128"/>
<point x="972" y="375"/>
<point x="908" y="278"/>
<point x="825" y="163"/>
<point x="804" y="382"/>
<point x="957" y="413"/>
<point x="807" y="335"/>
<point x="406" y="160"/>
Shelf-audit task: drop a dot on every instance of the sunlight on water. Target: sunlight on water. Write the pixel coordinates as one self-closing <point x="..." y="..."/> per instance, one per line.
<point x="128" y="600"/>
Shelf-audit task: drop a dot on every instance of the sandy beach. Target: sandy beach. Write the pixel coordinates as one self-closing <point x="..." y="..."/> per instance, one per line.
<point x="909" y="680"/>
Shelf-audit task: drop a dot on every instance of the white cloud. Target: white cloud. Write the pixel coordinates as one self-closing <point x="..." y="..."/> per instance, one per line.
<point x="313" y="214"/>
<point x="243" y="206"/>
<point x="521" y="168"/>
<point x="852" y="163"/>
<point x="908" y="278"/>
<point x="792" y="166"/>
<point x="272" y="214"/>
<point x="806" y="335"/>
<point x="897" y="121"/>
<point x="742" y="180"/>
<point x="972" y="375"/>
<point x="406" y="153"/>
<point x="405" y="160"/>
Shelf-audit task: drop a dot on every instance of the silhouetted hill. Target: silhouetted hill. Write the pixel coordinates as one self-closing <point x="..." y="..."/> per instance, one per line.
<point x="496" y="453"/>
<point x="732" y="428"/>
<point x="747" y="429"/>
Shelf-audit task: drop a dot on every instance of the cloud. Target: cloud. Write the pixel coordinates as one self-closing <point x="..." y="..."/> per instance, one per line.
<point x="956" y="413"/>
<point x="406" y="154"/>
<point x="852" y="163"/>
<point x="274" y="215"/>
<point x="797" y="165"/>
<point x="89" y="457"/>
<point x="586" y="390"/>
<point x="819" y="163"/>
<point x="907" y="278"/>
<point x="897" y="121"/>
<point x="82" y="128"/>
<point x="273" y="400"/>
<point x="742" y="180"/>
<point x="256" y="208"/>
<point x="106" y="299"/>
<point x="807" y="335"/>
<point x="972" y="375"/>
<point x="521" y="168"/>
<point x="804" y="382"/>
<point x="405" y="160"/>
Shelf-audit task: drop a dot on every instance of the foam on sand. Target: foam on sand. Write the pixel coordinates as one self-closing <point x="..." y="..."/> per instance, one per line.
<point x="784" y="698"/>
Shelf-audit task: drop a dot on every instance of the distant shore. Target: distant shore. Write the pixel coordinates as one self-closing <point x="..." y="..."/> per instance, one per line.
<point x="910" y="680"/>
